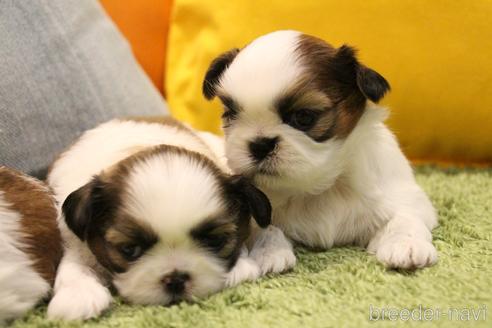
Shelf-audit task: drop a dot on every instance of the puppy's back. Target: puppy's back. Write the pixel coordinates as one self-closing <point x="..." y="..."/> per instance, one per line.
<point x="102" y="147"/>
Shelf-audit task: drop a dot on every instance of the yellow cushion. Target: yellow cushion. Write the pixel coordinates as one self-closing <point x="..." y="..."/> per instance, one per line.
<point x="435" y="54"/>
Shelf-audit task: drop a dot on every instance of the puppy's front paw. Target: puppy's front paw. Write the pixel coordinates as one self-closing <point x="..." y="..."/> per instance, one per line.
<point x="79" y="302"/>
<point x="244" y="270"/>
<point x="406" y="253"/>
<point x="272" y="251"/>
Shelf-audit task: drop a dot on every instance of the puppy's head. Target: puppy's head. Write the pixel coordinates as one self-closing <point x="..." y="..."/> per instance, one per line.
<point x="166" y="223"/>
<point x="290" y="101"/>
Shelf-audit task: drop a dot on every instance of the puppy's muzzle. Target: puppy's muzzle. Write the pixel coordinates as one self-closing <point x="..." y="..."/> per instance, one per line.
<point x="260" y="148"/>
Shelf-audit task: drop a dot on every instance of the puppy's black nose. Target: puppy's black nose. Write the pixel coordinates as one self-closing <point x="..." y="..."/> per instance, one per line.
<point x="175" y="282"/>
<point x="262" y="147"/>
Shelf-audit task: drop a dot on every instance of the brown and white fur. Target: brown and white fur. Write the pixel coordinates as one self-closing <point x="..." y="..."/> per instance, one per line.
<point x="30" y="243"/>
<point x="300" y="118"/>
<point x="149" y="208"/>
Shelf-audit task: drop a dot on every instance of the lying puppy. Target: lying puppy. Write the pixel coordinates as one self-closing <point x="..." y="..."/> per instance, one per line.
<point x="149" y="208"/>
<point x="300" y="119"/>
<point x="30" y="243"/>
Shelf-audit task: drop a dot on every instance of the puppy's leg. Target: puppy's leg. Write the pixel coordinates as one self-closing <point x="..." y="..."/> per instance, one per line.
<point x="246" y="269"/>
<point x="404" y="242"/>
<point x="271" y="250"/>
<point x="78" y="293"/>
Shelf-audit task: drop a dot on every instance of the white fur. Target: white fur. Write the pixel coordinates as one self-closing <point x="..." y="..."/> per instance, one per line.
<point x="21" y="287"/>
<point x="273" y="71"/>
<point x="272" y="251"/>
<point x="360" y="190"/>
<point x="171" y="193"/>
<point x="245" y="269"/>
<point x="216" y="144"/>
<point x="155" y="188"/>
<point x="79" y="293"/>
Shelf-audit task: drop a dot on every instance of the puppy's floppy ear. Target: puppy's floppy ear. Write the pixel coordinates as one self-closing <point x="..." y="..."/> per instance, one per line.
<point x="82" y="205"/>
<point x="370" y="83"/>
<point x="257" y="202"/>
<point x="215" y="71"/>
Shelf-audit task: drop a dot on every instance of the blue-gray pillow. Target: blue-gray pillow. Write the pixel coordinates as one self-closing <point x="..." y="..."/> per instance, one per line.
<point x="64" y="68"/>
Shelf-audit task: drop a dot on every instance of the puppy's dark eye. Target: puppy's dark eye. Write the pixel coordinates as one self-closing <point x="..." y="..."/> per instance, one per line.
<point x="213" y="241"/>
<point x="302" y="119"/>
<point x="229" y="114"/>
<point x="230" y="108"/>
<point x="131" y="252"/>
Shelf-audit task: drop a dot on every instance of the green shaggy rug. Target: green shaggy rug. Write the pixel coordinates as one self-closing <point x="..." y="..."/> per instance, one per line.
<point x="345" y="287"/>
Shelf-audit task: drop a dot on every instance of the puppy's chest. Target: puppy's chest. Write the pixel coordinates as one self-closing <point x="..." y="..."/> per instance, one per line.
<point x="328" y="220"/>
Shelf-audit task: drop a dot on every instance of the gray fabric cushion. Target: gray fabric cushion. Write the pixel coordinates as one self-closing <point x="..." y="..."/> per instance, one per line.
<point x="64" y="68"/>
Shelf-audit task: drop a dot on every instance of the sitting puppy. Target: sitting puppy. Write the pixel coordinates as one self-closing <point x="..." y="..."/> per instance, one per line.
<point x="149" y="208"/>
<point x="30" y="243"/>
<point x="300" y="119"/>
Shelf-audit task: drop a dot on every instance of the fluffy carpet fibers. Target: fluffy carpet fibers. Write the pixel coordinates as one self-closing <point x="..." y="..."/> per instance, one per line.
<point x="345" y="287"/>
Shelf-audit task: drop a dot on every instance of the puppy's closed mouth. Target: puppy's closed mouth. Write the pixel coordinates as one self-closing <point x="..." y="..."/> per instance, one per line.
<point x="263" y="169"/>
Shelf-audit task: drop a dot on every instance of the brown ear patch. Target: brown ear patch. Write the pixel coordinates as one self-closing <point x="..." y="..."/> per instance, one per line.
<point x="34" y="201"/>
<point x="337" y="74"/>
